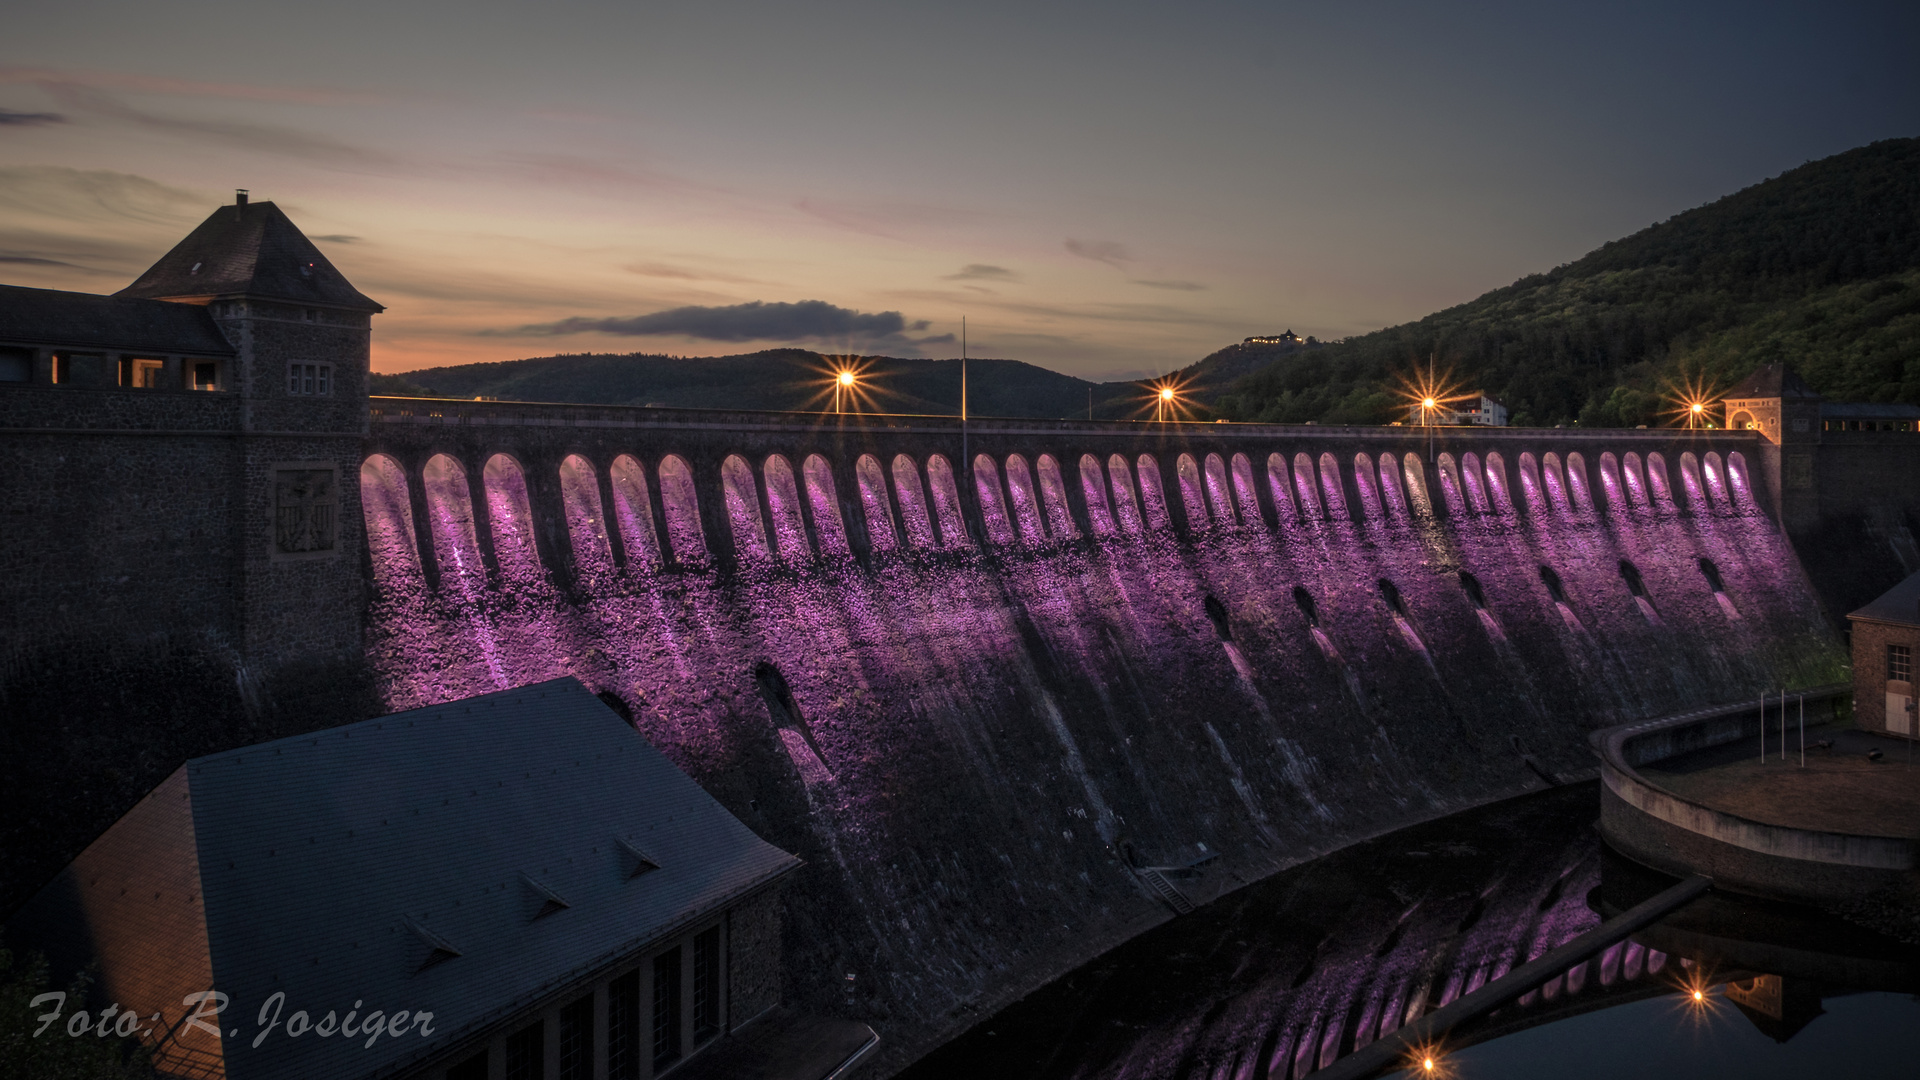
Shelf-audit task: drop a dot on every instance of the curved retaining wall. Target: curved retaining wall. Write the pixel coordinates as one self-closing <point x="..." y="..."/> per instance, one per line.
<point x="1679" y="835"/>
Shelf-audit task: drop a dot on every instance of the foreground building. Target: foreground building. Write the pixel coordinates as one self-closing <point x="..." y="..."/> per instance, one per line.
<point x="510" y="886"/>
<point x="1886" y="637"/>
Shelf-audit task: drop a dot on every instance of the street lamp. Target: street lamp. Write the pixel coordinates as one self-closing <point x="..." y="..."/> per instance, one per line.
<point x="842" y="383"/>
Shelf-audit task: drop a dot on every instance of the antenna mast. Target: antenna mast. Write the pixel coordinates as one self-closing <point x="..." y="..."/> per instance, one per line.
<point x="964" y="463"/>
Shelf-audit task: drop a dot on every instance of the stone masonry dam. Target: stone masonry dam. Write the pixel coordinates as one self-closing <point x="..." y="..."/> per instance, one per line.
<point x="985" y="682"/>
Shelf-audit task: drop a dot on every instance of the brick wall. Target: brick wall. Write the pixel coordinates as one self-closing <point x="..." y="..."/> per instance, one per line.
<point x="1870" y="641"/>
<point x="753" y="957"/>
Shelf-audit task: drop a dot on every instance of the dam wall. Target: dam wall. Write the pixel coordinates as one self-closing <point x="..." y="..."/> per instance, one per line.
<point x="1020" y="692"/>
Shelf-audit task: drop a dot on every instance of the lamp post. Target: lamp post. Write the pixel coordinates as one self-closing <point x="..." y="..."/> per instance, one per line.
<point x="1162" y="401"/>
<point x="842" y="383"/>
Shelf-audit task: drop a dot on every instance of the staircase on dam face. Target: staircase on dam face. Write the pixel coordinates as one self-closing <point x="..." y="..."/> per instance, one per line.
<point x="1165" y="890"/>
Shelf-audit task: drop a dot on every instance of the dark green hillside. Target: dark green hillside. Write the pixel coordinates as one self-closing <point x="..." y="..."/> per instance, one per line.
<point x="1819" y="267"/>
<point x="791" y="379"/>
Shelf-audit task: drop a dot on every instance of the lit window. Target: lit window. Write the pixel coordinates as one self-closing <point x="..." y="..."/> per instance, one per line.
<point x="1899" y="663"/>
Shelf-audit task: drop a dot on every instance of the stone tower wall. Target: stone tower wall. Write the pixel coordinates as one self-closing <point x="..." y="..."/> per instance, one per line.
<point x="299" y="574"/>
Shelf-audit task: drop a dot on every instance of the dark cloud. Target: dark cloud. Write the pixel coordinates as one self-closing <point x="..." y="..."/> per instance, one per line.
<point x="1112" y="253"/>
<point x="982" y="272"/>
<point x="1177" y="286"/>
<point x="808" y="320"/>
<point x="9" y="118"/>
<point x="338" y="238"/>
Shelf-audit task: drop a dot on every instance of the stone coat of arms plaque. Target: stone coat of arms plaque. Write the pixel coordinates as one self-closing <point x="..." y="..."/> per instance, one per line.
<point x="305" y="511"/>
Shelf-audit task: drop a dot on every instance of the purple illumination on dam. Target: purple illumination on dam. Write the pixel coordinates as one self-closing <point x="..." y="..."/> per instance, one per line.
<point x="1004" y="696"/>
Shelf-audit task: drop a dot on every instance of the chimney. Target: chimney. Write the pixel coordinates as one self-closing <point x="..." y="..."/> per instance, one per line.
<point x="239" y="196"/>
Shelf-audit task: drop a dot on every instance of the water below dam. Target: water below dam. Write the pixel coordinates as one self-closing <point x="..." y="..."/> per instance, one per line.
<point x="1006" y="738"/>
<point x="1289" y="975"/>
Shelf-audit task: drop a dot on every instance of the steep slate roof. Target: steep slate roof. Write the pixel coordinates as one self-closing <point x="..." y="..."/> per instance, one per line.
<point x="249" y="249"/>
<point x="1900" y="604"/>
<point x="331" y="865"/>
<point x="1772" y="381"/>
<point x="89" y="321"/>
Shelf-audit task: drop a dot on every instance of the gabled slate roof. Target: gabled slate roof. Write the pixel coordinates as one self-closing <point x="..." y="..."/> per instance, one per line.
<point x="1900" y="604"/>
<point x="466" y="859"/>
<point x="89" y="321"/>
<point x="1771" y="381"/>
<point x="249" y="249"/>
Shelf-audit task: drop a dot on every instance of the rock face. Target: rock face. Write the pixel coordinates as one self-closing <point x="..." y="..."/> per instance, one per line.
<point x="981" y="737"/>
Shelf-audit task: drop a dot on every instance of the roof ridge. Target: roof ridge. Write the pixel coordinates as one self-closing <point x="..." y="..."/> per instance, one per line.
<point x="254" y="250"/>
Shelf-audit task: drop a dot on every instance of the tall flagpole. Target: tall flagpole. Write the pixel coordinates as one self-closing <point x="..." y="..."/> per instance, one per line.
<point x="966" y="464"/>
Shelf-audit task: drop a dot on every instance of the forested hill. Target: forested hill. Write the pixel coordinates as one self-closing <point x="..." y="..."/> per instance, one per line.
<point x="1818" y="267"/>
<point x="775" y="379"/>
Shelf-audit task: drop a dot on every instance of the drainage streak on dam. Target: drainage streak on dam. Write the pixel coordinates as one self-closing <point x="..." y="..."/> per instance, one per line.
<point x="1018" y="698"/>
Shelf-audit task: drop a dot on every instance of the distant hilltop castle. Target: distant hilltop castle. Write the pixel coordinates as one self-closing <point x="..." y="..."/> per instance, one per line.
<point x="1288" y="338"/>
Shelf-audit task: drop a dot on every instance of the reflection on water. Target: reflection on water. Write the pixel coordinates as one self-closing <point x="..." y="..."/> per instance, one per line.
<point x="1285" y="977"/>
<point x="1864" y="1036"/>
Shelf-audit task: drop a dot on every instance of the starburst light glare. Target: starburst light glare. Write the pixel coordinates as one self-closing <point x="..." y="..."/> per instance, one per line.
<point x="1692" y="402"/>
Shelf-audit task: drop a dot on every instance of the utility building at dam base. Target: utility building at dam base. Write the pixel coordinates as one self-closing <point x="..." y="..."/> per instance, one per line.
<point x="985" y="680"/>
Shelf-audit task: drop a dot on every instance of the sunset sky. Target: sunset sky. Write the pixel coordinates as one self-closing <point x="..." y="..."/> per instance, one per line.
<point x="1109" y="189"/>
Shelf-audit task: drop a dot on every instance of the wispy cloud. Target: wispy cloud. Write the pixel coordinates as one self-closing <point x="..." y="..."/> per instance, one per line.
<point x="891" y="221"/>
<point x="263" y="138"/>
<point x="1111" y="252"/>
<point x="9" y="118"/>
<point x="681" y="273"/>
<point x="153" y="84"/>
<point x="807" y="320"/>
<point x="983" y="272"/>
<point x="338" y="238"/>
<point x="577" y="172"/>
<point x="31" y="260"/>
<point x="51" y="192"/>
<point x="1177" y="286"/>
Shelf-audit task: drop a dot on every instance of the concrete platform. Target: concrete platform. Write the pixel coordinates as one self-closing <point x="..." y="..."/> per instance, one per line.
<point x="1839" y="790"/>
<point x="1681" y="795"/>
